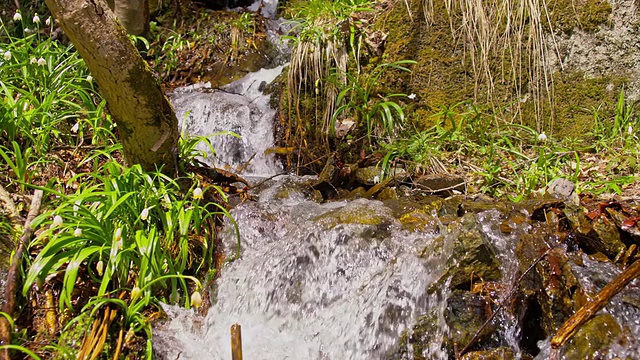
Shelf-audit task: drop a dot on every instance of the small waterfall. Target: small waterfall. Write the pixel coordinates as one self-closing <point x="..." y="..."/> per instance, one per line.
<point x="240" y="107"/>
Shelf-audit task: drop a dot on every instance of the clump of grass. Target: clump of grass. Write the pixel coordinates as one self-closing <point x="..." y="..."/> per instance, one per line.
<point x="323" y="37"/>
<point x="380" y="116"/>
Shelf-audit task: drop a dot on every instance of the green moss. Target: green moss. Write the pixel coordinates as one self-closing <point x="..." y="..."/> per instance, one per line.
<point x="587" y="15"/>
<point x="577" y="97"/>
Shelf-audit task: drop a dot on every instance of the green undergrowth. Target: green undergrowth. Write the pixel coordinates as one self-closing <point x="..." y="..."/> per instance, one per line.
<point x="514" y="161"/>
<point x="109" y="239"/>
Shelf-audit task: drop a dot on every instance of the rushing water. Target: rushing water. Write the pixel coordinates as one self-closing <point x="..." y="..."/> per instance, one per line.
<point x="338" y="280"/>
<point x="311" y="285"/>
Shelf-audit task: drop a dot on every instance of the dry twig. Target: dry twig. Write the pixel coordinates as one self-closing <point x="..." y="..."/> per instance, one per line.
<point x="586" y="312"/>
<point x="13" y="274"/>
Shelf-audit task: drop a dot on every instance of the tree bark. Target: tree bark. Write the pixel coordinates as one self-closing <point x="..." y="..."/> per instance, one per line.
<point x="147" y="123"/>
<point x="133" y="15"/>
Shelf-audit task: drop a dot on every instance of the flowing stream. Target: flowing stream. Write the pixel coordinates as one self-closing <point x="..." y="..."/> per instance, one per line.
<point x="337" y="280"/>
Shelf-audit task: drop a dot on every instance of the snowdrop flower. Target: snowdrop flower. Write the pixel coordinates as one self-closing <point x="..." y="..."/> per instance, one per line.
<point x="376" y="179"/>
<point x="77" y="232"/>
<point x="7" y="55"/>
<point x="135" y="292"/>
<point x="36" y="19"/>
<point x="542" y="137"/>
<point x="33" y="61"/>
<point x="197" y="193"/>
<point x="118" y="234"/>
<point x="57" y="221"/>
<point x="27" y="31"/>
<point x="48" y="21"/>
<point x="196" y="299"/>
<point x="630" y="130"/>
<point x="144" y="215"/>
<point x="100" y="267"/>
<point x="411" y="96"/>
<point x="42" y="62"/>
<point x="89" y="78"/>
<point x="75" y="127"/>
<point x="17" y="17"/>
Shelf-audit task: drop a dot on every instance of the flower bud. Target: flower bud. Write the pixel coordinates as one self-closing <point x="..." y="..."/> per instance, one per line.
<point x="7" y="55"/>
<point x="135" y="292"/>
<point x="542" y="137"/>
<point x="197" y="193"/>
<point x="196" y="299"/>
<point x="100" y="267"/>
<point x="144" y="215"/>
<point x="57" y="221"/>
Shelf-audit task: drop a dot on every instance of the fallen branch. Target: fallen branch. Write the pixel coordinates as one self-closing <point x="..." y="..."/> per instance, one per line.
<point x="14" y="273"/>
<point x="586" y="312"/>
<point x="10" y="206"/>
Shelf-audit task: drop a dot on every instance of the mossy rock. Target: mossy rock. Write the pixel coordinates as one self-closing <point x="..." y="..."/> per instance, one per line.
<point x="357" y="212"/>
<point x="419" y="220"/>
<point x="593" y="338"/>
<point x="501" y="353"/>
<point x="586" y="15"/>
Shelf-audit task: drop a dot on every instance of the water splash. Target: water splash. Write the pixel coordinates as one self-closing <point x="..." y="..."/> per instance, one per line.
<point x="337" y="281"/>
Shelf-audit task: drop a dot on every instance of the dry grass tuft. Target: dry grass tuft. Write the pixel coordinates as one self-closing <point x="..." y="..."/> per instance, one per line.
<point x="510" y="33"/>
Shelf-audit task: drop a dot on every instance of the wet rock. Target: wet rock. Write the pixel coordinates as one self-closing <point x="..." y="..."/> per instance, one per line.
<point x="463" y="316"/>
<point x="626" y="223"/>
<point x="601" y="235"/>
<point x="610" y="243"/>
<point x="593" y="338"/>
<point x="482" y="204"/>
<point x="440" y="184"/>
<point x="473" y="256"/>
<point x="451" y="205"/>
<point x="402" y="207"/>
<point x="546" y="292"/>
<point x="356" y="212"/>
<point x="419" y="220"/>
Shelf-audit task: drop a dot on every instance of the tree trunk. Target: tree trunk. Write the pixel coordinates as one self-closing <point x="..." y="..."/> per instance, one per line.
<point x="133" y="15"/>
<point x="147" y="124"/>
